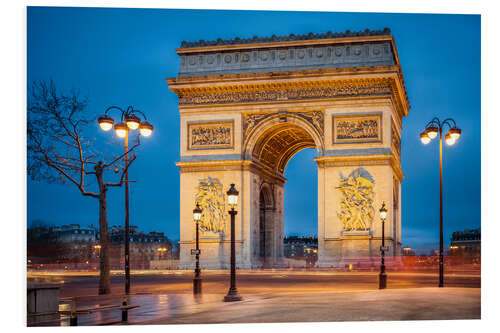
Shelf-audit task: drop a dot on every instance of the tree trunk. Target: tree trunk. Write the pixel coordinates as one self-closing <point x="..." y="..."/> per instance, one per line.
<point x="104" y="284"/>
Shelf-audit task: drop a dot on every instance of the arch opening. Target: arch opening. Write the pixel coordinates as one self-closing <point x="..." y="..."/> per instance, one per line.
<point x="273" y="146"/>
<point x="267" y="224"/>
<point x="279" y="143"/>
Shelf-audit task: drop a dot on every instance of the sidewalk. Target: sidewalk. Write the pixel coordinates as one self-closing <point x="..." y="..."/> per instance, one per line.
<point x="366" y="305"/>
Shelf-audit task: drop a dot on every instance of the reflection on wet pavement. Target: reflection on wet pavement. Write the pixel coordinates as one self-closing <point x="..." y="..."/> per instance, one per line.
<point x="150" y="307"/>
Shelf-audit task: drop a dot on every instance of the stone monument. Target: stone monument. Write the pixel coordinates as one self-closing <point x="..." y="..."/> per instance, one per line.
<point x="248" y="105"/>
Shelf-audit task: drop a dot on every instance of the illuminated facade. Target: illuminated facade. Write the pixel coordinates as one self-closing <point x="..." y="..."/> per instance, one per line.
<point x="247" y="106"/>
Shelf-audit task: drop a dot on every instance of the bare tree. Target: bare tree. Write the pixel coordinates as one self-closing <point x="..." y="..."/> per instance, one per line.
<point x="59" y="152"/>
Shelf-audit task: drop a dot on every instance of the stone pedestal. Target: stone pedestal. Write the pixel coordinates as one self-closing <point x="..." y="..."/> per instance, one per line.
<point x="43" y="305"/>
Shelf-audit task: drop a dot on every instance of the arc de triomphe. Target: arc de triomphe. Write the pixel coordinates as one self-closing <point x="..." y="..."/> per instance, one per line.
<point x="248" y="105"/>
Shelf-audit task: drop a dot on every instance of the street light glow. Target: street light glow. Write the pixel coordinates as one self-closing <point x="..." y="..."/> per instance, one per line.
<point x="105" y="123"/>
<point x="424" y="137"/>
<point x="197" y="213"/>
<point x="146" y="129"/>
<point x="450" y="141"/>
<point x="432" y="131"/>
<point x="132" y="121"/>
<point x="232" y="196"/>
<point x="455" y="133"/>
<point x="383" y="212"/>
<point x="121" y="130"/>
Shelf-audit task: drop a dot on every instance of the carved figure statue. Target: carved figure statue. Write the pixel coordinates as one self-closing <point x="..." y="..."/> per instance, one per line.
<point x="210" y="197"/>
<point x="356" y="207"/>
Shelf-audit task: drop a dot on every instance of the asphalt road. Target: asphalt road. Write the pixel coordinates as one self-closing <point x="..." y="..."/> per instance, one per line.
<point x="249" y="282"/>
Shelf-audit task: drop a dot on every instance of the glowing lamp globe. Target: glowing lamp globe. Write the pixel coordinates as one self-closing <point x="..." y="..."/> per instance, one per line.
<point x="132" y="121"/>
<point x="197" y="213"/>
<point x="232" y="196"/>
<point x="105" y="123"/>
<point x="455" y="133"/>
<point x="121" y="130"/>
<point x="432" y="132"/>
<point x="450" y="141"/>
<point x="383" y="212"/>
<point x="424" y="137"/>
<point x="146" y="129"/>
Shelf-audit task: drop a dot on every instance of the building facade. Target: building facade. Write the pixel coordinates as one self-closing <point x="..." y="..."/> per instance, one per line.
<point x="467" y="245"/>
<point x="73" y="233"/>
<point x="248" y="105"/>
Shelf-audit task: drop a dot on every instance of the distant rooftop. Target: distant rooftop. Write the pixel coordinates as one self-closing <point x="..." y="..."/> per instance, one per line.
<point x="291" y="37"/>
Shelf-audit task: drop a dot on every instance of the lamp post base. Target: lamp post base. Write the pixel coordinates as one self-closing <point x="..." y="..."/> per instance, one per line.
<point x="197" y="285"/>
<point x="382" y="281"/>
<point x="232" y="296"/>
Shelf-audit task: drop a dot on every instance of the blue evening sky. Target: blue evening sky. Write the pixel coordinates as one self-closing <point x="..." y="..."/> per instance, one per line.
<point x="122" y="57"/>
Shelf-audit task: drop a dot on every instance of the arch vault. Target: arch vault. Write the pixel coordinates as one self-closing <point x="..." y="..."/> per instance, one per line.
<point x="247" y="106"/>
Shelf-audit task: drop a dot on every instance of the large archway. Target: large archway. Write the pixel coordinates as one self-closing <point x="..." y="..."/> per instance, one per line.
<point x="271" y="144"/>
<point x="247" y="107"/>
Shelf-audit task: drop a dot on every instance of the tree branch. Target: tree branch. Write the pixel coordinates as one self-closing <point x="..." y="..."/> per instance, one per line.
<point x="132" y="159"/>
<point x="121" y="156"/>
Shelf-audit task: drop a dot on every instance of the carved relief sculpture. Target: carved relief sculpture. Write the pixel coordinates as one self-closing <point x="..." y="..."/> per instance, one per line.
<point x="396" y="141"/>
<point x="350" y="129"/>
<point x="356" y="206"/>
<point x="315" y="118"/>
<point x="210" y="197"/>
<point x="208" y="135"/>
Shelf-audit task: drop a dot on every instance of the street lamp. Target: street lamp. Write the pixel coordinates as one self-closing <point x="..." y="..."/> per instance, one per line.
<point x="232" y="294"/>
<point x="129" y="121"/>
<point x="197" y="278"/>
<point x="97" y="248"/>
<point x="432" y="129"/>
<point x="382" y="278"/>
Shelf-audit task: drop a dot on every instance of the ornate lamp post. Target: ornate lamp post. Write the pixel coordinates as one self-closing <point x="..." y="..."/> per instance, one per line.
<point x="432" y="129"/>
<point x="197" y="278"/>
<point x="232" y="294"/>
<point x="382" y="278"/>
<point x="128" y="121"/>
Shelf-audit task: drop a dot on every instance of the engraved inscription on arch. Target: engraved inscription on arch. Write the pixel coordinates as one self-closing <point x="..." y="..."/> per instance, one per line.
<point x="210" y="135"/>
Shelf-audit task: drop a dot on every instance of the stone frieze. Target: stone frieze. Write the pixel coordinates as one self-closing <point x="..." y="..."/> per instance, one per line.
<point x="287" y="58"/>
<point x="283" y="94"/>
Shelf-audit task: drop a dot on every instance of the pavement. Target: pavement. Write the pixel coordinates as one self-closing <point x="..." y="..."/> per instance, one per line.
<point x="367" y="305"/>
<point x="277" y="296"/>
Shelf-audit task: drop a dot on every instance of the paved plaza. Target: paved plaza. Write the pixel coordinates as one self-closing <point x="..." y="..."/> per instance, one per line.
<point x="165" y="297"/>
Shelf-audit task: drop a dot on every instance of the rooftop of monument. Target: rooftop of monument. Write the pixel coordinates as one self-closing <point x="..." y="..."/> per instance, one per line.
<point x="330" y="54"/>
<point x="289" y="38"/>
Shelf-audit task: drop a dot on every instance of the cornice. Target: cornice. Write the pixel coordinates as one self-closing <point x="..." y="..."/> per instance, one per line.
<point x="293" y="85"/>
<point x="291" y="38"/>
<point x="380" y="159"/>
<point x="221" y="79"/>
<point x="201" y="166"/>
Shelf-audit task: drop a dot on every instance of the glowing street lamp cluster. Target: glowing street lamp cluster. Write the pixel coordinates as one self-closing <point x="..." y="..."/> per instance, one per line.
<point x="132" y="122"/>
<point x="435" y="127"/>
<point x="128" y="121"/>
<point x="432" y="129"/>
